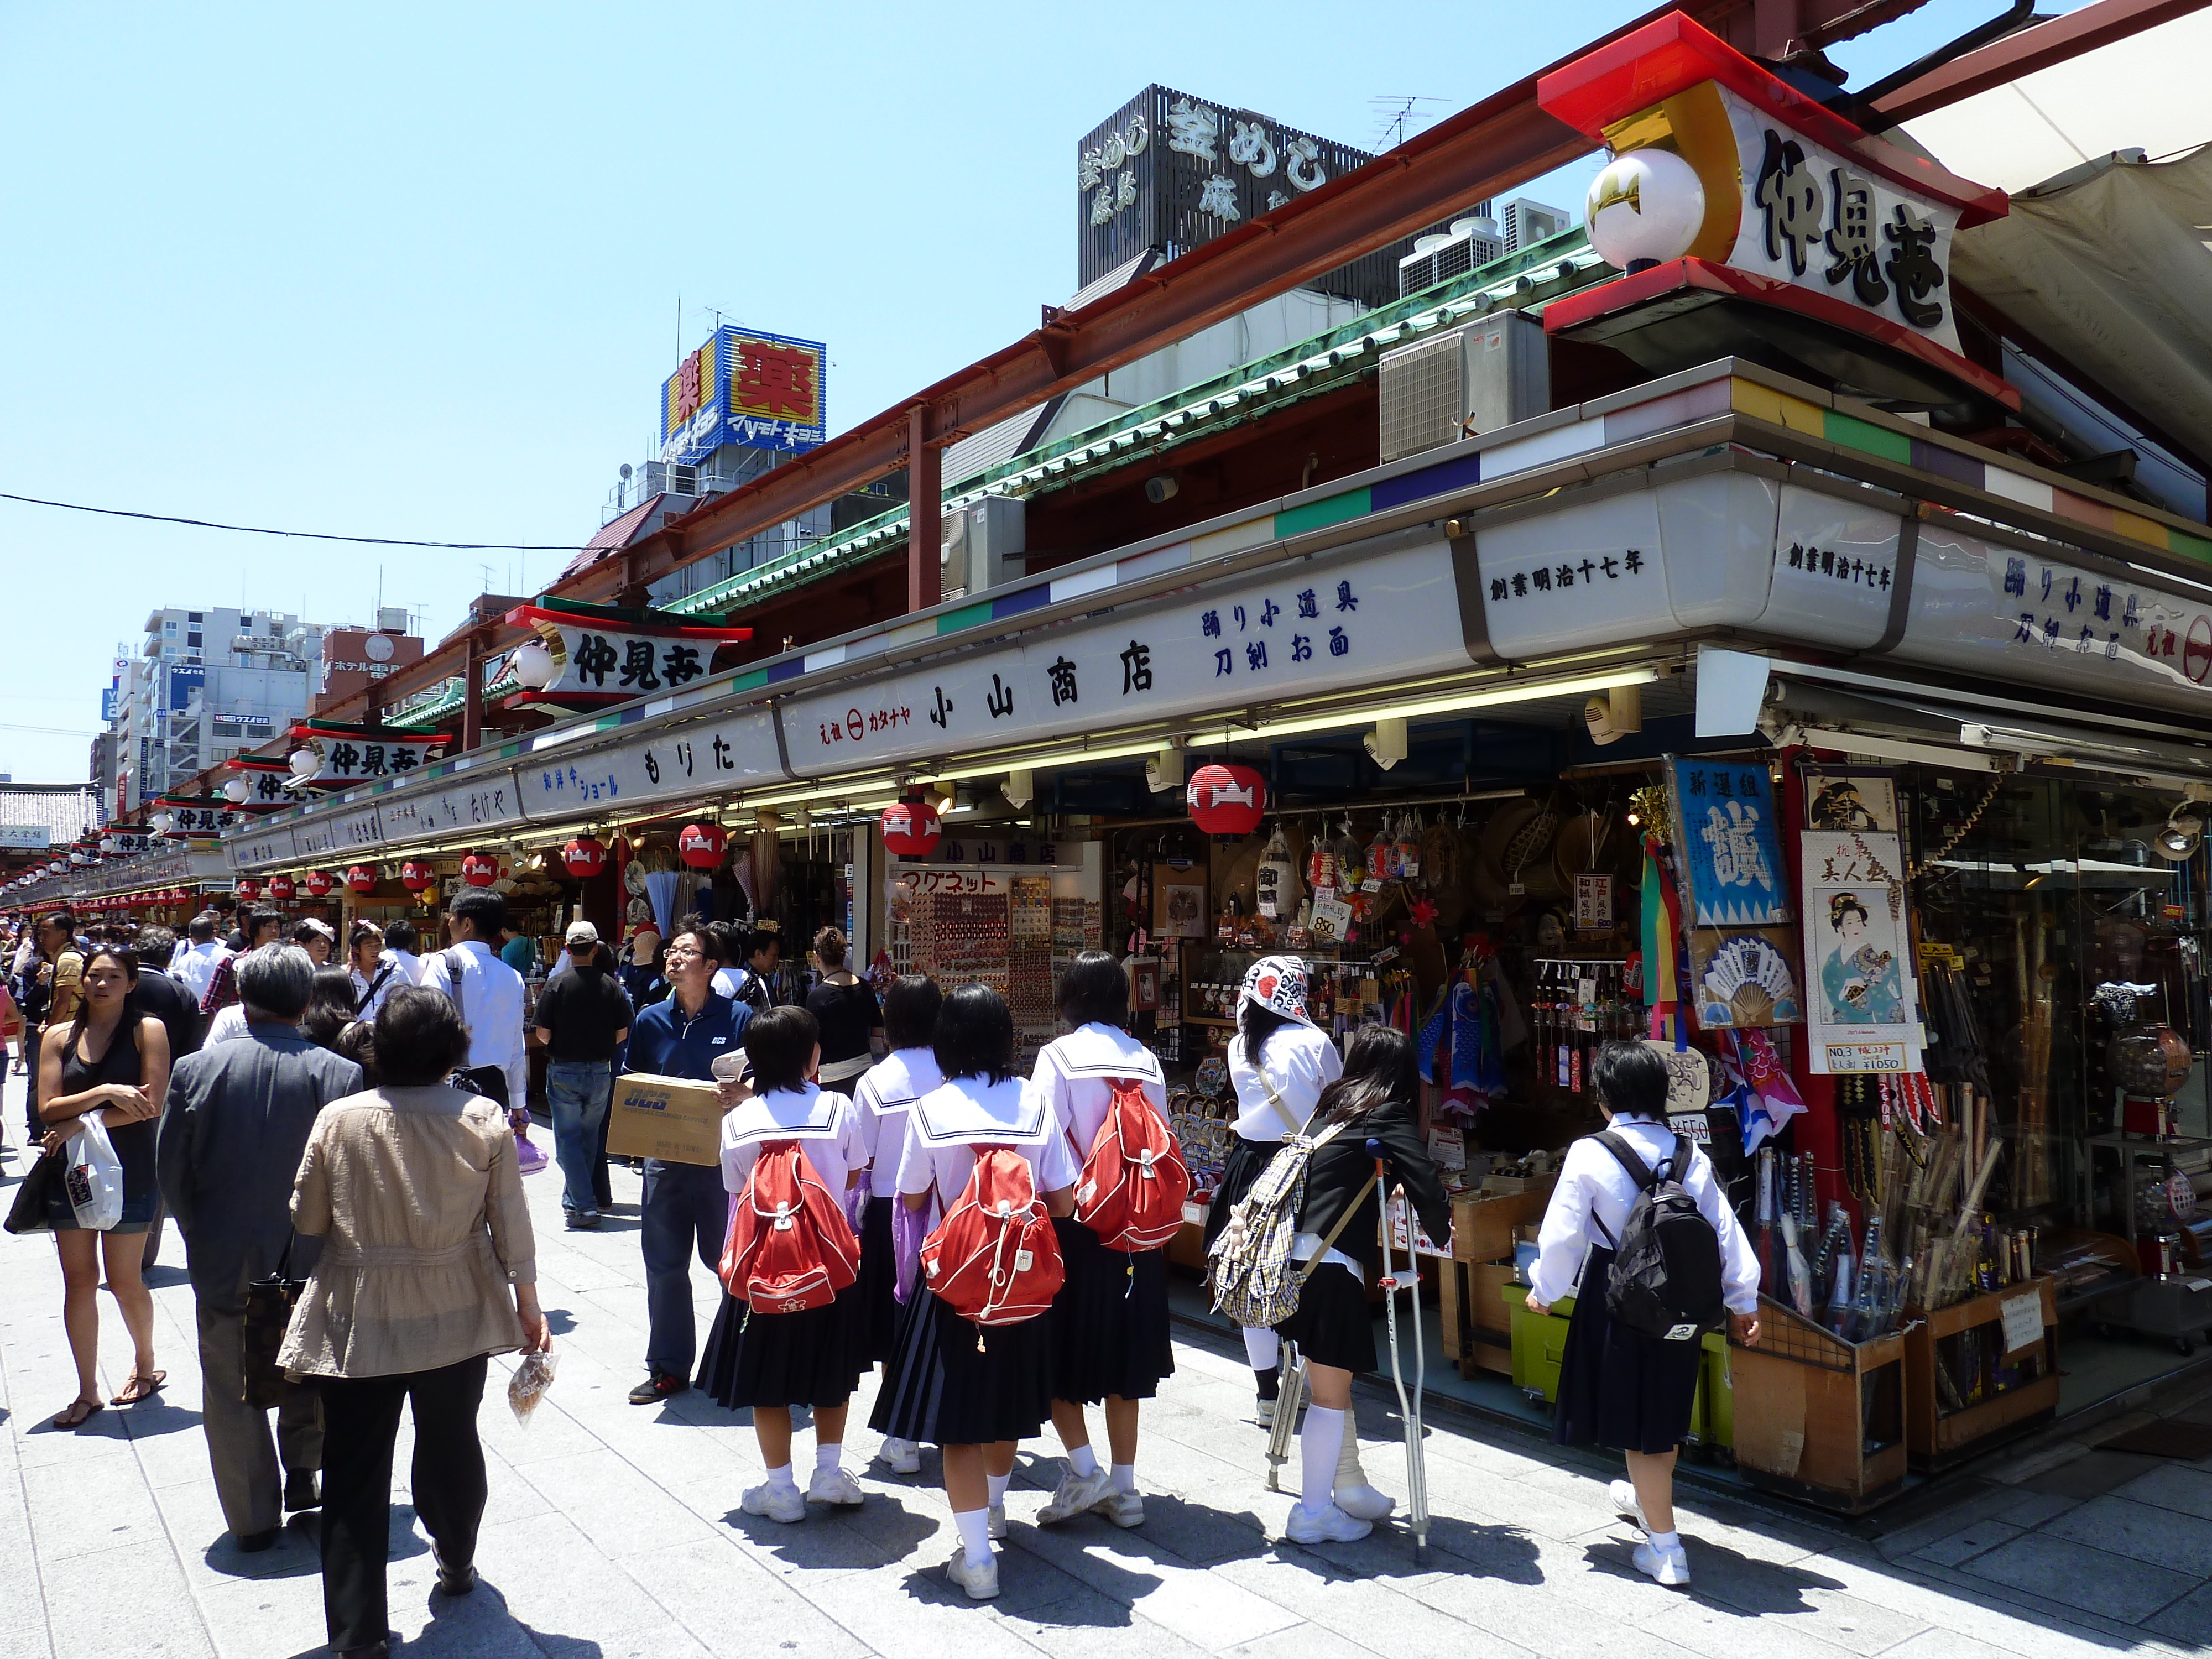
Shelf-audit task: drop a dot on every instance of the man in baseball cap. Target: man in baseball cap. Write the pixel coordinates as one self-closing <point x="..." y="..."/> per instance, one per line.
<point x="583" y="1015"/>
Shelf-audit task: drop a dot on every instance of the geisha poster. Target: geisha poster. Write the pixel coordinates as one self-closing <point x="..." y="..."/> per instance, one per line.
<point x="1860" y="992"/>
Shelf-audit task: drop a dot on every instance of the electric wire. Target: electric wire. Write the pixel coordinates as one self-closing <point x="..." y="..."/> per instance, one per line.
<point x="304" y="535"/>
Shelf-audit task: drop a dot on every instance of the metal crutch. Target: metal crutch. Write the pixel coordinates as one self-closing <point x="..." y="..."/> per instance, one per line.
<point x="1409" y="1411"/>
<point x="1289" y="1395"/>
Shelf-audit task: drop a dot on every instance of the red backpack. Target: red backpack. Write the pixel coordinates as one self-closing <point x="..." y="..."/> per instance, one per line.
<point x="994" y="1258"/>
<point x="1134" y="1183"/>
<point x="790" y="1246"/>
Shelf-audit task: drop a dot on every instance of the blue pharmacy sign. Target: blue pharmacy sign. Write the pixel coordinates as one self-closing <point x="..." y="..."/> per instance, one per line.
<point x="1730" y="850"/>
<point x="744" y="387"/>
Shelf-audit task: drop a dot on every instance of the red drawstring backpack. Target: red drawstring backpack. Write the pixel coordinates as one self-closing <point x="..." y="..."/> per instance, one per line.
<point x="1134" y="1183"/>
<point x="994" y="1260"/>
<point x="790" y="1246"/>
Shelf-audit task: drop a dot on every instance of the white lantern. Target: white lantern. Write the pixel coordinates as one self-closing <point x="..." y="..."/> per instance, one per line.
<point x="161" y="822"/>
<point x="238" y="791"/>
<point x="305" y="762"/>
<point x="1644" y="207"/>
<point x="106" y="844"/>
<point x="533" y="665"/>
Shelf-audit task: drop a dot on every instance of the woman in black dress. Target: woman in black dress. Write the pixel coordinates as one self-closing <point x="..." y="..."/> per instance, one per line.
<point x="845" y="1006"/>
<point x="104" y="1062"/>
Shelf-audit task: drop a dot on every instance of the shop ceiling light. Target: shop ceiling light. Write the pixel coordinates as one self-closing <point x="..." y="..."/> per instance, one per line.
<point x="1444" y="703"/>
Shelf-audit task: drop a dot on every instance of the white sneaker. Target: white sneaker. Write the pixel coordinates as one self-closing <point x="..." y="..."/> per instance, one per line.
<point x="1123" y="1509"/>
<point x="901" y="1457"/>
<point x="776" y="1501"/>
<point x="981" y="1582"/>
<point x="1076" y="1493"/>
<point x="995" y="1519"/>
<point x="1329" y="1525"/>
<point x="1667" y="1567"/>
<point x="1624" y="1499"/>
<point x="833" y="1486"/>
<point x="1365" y="1503"/>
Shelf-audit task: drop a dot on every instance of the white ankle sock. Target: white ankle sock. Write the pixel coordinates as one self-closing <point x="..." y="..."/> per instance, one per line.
<point x="1348" y="1472"/>
<point x="1262" y="1347"/>
<point x="828" y="1456"/>
<point x="999" y="1483"/>
<point x="781" y="1477"/>
<point x="1664" y="1540"/>
<point x="1318" y="1443"/>
<point x="1084" y="1461"/>
<point x="975" y="1529"/>
<point x="1125" y="1477"/>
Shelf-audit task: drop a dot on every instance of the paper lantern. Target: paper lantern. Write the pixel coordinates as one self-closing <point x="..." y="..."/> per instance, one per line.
<point x="700" y="844"/>
<point x="480" y="869"/>
<point x="248" y="891"/>
<point x="415" y="876"/>
<point x="283" y="887"/>
<point x="911" y="829"/>
<point x="1644" y="209"/>
<point x="361" y="878"/>
<point x="305" y="762"/>
<point x="238" y="791"/>
<point x="586" y="855"/>
<point x="1227" y="801"/>
<point x="533" y="665"/>
<point x="319" y="883"/>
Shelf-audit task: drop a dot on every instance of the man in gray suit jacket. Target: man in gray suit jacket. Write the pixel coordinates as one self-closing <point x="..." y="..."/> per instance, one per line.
<point x="233" y="1131"/>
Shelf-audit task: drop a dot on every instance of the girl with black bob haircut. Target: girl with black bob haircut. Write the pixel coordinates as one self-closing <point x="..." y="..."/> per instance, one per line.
<point x="1109" y="1321"/>
<point x="330" y="998"/>
<point x="911" y="1011"/>
<point x="765" y="1361"/>
<point x="1377" y="1099"/>
<point x="975" y="1390"/>
<point x="1619" y="1387"/>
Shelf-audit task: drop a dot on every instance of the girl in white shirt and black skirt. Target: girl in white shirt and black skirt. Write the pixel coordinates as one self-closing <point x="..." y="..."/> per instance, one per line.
<point x="1109" y="1321"/>
<point x="1619" y="1387"/>
<point x="974" y="1390"/>
<point x="770" y="1362"/>
<point x="1278" y="1063"/>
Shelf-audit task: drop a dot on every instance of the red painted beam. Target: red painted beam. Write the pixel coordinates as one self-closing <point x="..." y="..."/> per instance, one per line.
<point x="2030" y="50"/>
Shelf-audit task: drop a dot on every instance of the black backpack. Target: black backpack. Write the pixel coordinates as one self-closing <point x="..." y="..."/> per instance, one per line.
<point x="1666" y="1277"/>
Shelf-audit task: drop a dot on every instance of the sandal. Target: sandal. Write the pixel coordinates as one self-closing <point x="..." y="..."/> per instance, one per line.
<point x="140" y="1388"/>
<point x="76" y="1414"/>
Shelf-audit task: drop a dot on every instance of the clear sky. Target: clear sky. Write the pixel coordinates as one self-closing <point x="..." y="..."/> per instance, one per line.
<point x="414" y="270"/>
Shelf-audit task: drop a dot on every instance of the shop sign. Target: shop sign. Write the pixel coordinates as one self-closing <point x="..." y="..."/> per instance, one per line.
<point x="601" y="665"/>
<point x="262" y="847"/>
<point x="487" y="801"/>
<point x="360" y="830"/>
<point x="198" y="819"/>
<point x="128" y="843"/>
<point x="348" y="757"/>
<point x="744" y="385"/>
<point x="25" y="837"/>
<point x="1862" y="990"/>
<point x="714" y="757"/>
<point x="1594" y="902"/>
<point x="1307" y="627"/>
<point x="1731" y="852"/>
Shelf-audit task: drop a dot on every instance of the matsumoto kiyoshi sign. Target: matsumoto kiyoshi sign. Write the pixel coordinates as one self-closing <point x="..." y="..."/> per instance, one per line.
<point x="744" y="387"/>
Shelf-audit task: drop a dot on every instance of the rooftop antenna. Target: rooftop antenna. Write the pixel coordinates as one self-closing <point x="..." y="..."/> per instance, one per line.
<point x="1394" y="111"/>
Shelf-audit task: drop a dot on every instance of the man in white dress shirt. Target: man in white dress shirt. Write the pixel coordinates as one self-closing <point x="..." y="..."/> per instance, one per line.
<point x="400" y="939"/>
<point x="488" y="992"/>
<point x="203" y="951"/>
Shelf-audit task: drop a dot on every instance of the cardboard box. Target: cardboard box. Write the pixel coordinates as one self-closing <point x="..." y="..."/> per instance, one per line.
<point x="1482" y="1228"/>
<point x="671" y="1118"/>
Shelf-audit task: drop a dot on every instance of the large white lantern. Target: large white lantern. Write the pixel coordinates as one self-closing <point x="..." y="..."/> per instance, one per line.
<point x="238" y="791"/>
<point x="533" y="665"/>
<point x="1643" y="209"/>
<point x="305" y="762"/>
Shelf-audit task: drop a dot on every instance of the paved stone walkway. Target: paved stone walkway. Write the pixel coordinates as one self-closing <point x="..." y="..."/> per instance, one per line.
<point x="614" y="1530"/>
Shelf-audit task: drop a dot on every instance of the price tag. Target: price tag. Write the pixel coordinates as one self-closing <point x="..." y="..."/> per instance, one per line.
<point x="2023" y="1321"/>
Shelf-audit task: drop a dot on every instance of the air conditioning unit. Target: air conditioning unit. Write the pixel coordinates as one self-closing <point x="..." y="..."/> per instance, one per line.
<point x="1475" y="379"/>
<point x="1441" y="255"/>
<point x="982" y="546"/>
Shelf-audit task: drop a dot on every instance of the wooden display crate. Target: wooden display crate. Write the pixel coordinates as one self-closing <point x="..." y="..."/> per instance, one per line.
<point x="1482" y="1228"/>
<point x="1475" y="1322"/>
<point x="1816" y="1417"/>
<point x="1188" y="1248"/>
<point x="1937" y="1438"/>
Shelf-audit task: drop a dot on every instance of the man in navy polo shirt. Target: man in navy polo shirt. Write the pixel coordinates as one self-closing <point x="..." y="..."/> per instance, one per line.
<point x="685" y="1206"/>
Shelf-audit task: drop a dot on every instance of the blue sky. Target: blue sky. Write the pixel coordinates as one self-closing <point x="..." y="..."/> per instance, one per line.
<point x="413" y="270"/>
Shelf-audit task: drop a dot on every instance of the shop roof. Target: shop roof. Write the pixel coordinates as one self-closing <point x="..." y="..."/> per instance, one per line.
<point x="66" y="810"/>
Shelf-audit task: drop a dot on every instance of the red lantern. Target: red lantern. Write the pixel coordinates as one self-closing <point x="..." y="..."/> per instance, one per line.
<point x="1227" y="801"/>
<point x="361" y="878"/>
<point x="586" y="855"/>
<point x="415" y="876"/>
<point x="282" y="887"/>
<point x="480" y="869"/>
<point x="248" y="891"/>
<point x="701" y="845"/>
<point x="319" y="883"/>
<point x="910" y="828"/>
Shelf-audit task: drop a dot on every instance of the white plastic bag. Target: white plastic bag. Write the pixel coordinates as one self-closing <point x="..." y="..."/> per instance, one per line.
<point x="528" y="1385"/>
<point x="93" y="1175"/>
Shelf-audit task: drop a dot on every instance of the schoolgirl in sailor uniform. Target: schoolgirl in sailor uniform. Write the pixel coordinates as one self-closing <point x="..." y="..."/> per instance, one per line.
<point x="1278" y="1063"/>
<point x="772" y="1362"/>
<point x="885" y="1095"/>
<point x="1109" y="1321"/>
<point x="974" y="1392"/>
<point x="1618" y="1386"/>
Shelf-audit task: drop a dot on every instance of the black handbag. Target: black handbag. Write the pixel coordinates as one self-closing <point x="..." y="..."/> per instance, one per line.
<point x="27" y="1214"/>
<point x="268" y="1315"/>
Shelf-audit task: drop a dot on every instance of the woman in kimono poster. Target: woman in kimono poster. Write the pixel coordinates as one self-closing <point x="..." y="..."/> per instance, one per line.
<point x="1864" y="995"/>
<point x="1859" y="976"/>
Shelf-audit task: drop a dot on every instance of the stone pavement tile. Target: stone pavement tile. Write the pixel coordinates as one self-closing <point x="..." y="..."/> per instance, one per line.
<point x="22" y="1597"/>
<point x="615" y="1506"/>
<point x="1202" y="1607"/>
<point x="1957" y="1599"/>
<point x="1199" y="1528"/>
<point x="1518" y="1504"/>
<point x="82" y="1511"/>
<point x="1301" y="1642"/>
<point x="2012" y="1505"/>
<point x="2092" y="1474"/>
<point x="572" y="1598"/>
<point x="39" y="1445"/>
<point x="2140" y="1532"/>
<point x="2188" y="1621"/>
<point x="1715" y="1632"/>
<point x="734" y="1607"/>
<point x="1082" y="1624"/>
<point x="1534" y="1617"/>
<point x="191" y="1521"/>
<point x="2038" y="1460"/>
<point x="2082" y="1577"/>
<point x="1967" y="1542"/>
<point x="914" y="1614"/>
<point x="2173" y="1486"/>
<point x="129" y="1601"/>
<point x="1950" y="1644"/>
<point x="508" y="1497"/>
<point x="263" y="1618"/>
<point x="880" y="1533"/>
<point x="1370" y="1612"/>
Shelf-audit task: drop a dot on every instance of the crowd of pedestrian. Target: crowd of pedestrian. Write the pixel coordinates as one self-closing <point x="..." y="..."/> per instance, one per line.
<point x="339" y="1131"/>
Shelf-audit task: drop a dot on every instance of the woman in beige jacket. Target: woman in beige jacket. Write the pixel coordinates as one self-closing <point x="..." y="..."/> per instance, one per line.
<point x="429" y="1267"/>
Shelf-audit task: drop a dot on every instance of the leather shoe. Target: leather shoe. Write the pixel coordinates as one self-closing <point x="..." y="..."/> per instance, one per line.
<point x="253" y="1543"/>
<point x="662" y="1385"/>
<point x="300" y="1492"/>
<point x="452" y="1580"/>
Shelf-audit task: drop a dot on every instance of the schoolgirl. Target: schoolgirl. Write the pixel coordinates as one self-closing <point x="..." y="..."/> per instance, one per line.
<point x="1279" y="1064"/>
<point x="1378" y="1099"/>
<point x="1110" y="1327"/>
<point x="772" y="1362"/>
<point x="885" y="1093"/>
<point x="1617" y="1386"/>
<point x="974" y="1391"/>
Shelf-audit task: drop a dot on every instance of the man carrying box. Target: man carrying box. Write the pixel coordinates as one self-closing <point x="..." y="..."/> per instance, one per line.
<point x="685" y="1206"/>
